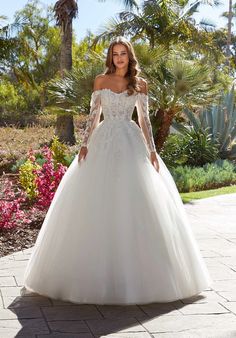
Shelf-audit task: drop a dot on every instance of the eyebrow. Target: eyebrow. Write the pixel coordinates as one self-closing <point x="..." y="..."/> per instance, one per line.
<point x="123" y="51"/>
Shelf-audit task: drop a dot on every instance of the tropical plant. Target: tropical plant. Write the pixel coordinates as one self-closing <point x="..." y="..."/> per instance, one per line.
<point x="175" y="83"/>
<point x="220" y="120"/>
<point x="65" y="11"/>
<point x="72" y="92"/>
<point x="159" y="21"/>
<point x="193" y="148"/>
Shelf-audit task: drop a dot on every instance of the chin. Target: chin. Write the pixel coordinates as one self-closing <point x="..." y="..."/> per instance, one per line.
<point x="121" y="66"/>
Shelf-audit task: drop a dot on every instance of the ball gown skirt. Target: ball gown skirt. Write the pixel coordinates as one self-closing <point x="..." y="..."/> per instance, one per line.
<point x="116" y="231"/>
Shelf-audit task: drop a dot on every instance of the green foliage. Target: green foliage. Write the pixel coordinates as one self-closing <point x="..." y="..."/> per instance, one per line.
<point x="27" y="178"/>
<point x="72" y="93"/>
<point x="199" y="148"/>
<point x="210" y="176"/>
<point x="194" y="148"/>
<point x="58" y="151"/>
<point x="34" y="58"/>
<point x="10" y="99"/>
<point x="176" y="82"/>
<point x="219" y="120"/>
<point x="173" y="153"/>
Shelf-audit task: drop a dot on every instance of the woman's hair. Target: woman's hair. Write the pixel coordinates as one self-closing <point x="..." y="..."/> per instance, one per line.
<point x="133" y="67"/>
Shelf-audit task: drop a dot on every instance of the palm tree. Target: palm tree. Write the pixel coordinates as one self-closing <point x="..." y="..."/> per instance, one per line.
<point x="230" y="15"/>
<point x="175" y="83"/>
<point x="159" y="21"/>
<point x="65" y="12"/>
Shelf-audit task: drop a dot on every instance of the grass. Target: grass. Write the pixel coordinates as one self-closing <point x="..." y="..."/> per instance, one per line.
<point x="189" y="196"/>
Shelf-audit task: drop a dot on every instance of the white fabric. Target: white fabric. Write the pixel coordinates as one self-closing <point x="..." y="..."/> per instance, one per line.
<point x="116" y="231"/>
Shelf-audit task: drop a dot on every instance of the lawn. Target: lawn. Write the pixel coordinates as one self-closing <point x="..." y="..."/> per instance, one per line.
<point x="189" y="196"/>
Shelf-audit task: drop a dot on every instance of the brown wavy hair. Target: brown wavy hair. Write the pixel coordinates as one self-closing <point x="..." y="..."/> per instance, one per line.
<point x="133" y="66"/>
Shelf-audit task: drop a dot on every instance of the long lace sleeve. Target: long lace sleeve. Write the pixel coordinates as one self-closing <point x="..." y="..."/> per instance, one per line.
<point x="94" y="116"/>
<point x="144" y="120"/>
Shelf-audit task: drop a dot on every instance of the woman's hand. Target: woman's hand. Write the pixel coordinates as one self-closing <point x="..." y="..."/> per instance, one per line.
<point x="83" y="153"/>
<point x="154" y="160"/>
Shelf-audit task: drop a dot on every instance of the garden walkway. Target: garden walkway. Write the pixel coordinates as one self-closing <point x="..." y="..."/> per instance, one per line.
<point x="211" y="314"/>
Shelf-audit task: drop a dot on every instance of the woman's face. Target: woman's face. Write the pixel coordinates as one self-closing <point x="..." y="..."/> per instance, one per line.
<point x="120" y="56"/>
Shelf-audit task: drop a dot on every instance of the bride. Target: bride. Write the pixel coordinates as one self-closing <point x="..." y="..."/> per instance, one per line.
<point x="116" y="231"/>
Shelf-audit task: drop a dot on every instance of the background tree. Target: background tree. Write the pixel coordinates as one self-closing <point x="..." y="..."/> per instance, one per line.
<point x="65" y="12"/>
<point x="32" y="56"/>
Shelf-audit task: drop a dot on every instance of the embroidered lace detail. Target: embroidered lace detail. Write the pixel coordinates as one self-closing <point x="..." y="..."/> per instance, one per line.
<point x="118" y="107"/>
<point x="144" y="120"/>
<point x="94" y="116"/>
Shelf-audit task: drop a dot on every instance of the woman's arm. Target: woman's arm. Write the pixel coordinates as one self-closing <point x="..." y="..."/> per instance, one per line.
<point x="143" y="115"/>
<point x="95" y="111"/>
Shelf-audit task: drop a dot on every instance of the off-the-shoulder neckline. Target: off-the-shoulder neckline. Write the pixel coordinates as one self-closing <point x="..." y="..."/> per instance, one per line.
<point x="108" y="89"/>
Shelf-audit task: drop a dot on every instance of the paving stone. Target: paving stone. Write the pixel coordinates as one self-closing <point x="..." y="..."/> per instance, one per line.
<point x="68" y="326"/>
<point x="228" y="295"/>
<point x="75" y="312"/>
<point x="23" y="327"/>
<point x="157" y="309"/>
<point x="119" y="311"/>
<point x="65" y="335"/>
<point x="224" y="285"/>
<point x="13" y="335"/>
<point x="12" y="264"/>
<point x="5" y="273"/>
<point x="203" y="308"/>
<point x="17" y="291"/>
<point x="21" y="313"/>
<point x="204" y="297"/>
<point x="126" y="335"/>
<point x="198" y="334"/>
<point x="222" y="274"/>
<point x="7" y="281"/>
<point x="17" y="302"/>
<point x="210" y="254"/>
<point x="106" y="326"/>
<point x="190" y="322"/>
<point x="231" y="306"/>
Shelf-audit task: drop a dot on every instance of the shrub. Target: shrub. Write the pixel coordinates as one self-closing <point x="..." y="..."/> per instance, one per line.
<point x="58" y="151"/>
<point x="47" y="179"/>
<point x="27" y="176"/>
<point x="214" y="175"/>
<point x="199" y="147"/>
<point x="172" y="152"/>
<point x="194" y="148"/>
<point x="11" y="213"/>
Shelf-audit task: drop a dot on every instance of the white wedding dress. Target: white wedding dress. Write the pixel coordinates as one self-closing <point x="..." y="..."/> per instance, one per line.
<point x="116" y="231"/>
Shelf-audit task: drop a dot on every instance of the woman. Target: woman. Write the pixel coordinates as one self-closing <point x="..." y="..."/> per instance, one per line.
<point x="116" y="231"/>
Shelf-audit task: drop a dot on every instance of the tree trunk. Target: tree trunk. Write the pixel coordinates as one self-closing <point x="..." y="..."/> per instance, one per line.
<point x="65" y="129"/>
<point x="65" y="123"/>
<point x="228" y="52"/>
<point x="66" y="49"/>
<point x="164" y="120"/>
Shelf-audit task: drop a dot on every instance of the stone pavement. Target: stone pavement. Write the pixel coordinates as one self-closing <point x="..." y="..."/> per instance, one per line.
<point x="210" y="314"/>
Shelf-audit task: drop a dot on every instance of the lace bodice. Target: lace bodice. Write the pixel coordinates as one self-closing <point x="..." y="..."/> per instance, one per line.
<point x="119" y="106"/>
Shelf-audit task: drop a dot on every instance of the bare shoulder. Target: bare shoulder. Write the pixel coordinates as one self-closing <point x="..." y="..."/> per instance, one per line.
<point x="143" y="85"/>
<point x="98" y="82"/>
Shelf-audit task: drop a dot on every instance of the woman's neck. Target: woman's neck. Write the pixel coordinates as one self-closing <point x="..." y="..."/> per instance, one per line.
<point x="121" y="72"/>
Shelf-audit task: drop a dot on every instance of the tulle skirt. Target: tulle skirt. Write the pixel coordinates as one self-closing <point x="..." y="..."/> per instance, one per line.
<point x="116" y="231"/>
